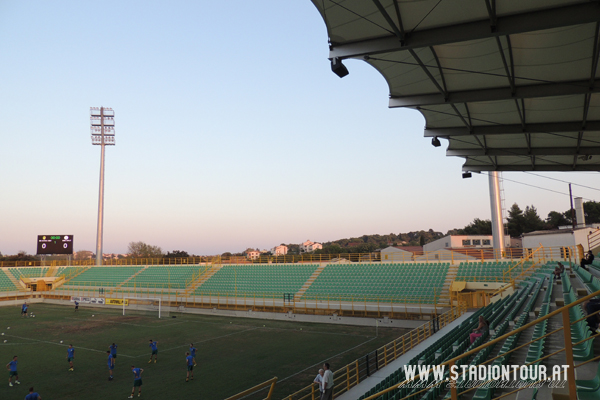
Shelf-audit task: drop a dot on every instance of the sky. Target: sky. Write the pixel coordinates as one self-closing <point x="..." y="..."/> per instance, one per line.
<point x="231" y="132"/>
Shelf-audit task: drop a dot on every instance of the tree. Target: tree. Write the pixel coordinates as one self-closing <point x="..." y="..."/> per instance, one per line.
<point x="520" y="221"/>
<point x="477" y="227"/>
<point x="531" y="220"/>
<point x="143" y="250"/>
<point x="177" y="254"/>
<point x="515" y="221"/>
<point x="556" y="219"/>
<point x="83" y="255"/>
<point x="592" y="212"/>
<point x="422" y="241"/>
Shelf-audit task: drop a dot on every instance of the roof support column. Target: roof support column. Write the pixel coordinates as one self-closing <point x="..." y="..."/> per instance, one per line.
<point x="496" y="205"/>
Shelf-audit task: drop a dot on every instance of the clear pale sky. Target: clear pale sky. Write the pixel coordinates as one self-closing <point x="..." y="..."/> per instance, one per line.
<point x="231" y="131"/>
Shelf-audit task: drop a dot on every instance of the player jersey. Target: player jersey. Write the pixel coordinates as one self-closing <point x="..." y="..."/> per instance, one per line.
<point x="193" y="351"/>
<point x="137" y="374"/>
<point x="24" y="308"/>
<point x="13" y="365"/>
<point x="71" y="352"/>
<point x="190" y="360"/>
<point x="113" y="349"/>
<point x="32" y="396"/>
<point x="110" y="358"/>
<point x="154" y="346"/>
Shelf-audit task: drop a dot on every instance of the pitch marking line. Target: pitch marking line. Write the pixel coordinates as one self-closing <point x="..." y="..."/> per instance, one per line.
<point x="128" y="323"/>
<point x="203" y="341"/>
<point x="64" y="345"/>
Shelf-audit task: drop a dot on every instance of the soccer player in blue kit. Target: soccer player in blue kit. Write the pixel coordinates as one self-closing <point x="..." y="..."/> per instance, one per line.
<point x="113" y="351"/>
<point x="137" y="381"/>
<point x="190" y="366"/>
<point x="193" y="353"/>
<point x="154" y="346"/>
<point x="33" y="395"/>
<point x="12" y="371"/>
<point x="111" y="365"/>
<point x="70" y="356"/>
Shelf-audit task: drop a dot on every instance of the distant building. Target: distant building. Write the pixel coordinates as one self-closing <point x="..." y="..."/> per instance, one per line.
<point x="279" y="250"/>
<point x="557" y="238"/>
<point x="463" y="242"/>
<point x="309" y="246"/>
<point x="253" y="254"/>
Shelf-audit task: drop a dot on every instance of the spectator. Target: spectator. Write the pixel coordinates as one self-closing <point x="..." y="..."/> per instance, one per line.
<point x="319" y="380"/>
<point x="327" y="393"/>
<point x="590" y="307"/>
<point x="560" y="268"/>
<point x="587" y="260"/>
<point x="480" y="330"/>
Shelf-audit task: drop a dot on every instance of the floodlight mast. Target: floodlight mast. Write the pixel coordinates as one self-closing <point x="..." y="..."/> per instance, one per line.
<point x="103" y="134"/>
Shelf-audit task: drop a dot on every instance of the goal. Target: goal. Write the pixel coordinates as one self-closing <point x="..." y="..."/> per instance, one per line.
<point x="145" y="306"/>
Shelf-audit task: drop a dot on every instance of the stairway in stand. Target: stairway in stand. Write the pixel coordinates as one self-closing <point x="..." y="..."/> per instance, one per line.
<point x="204" y="276"/>
<point x="444" y="299"/>
<point x="309" y="282"/>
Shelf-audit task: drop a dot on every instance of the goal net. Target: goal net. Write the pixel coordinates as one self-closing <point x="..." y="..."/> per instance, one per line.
<point x="150" y="306"/>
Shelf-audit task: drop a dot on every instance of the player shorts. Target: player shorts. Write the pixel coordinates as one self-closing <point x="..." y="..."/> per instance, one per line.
<point x="154" y="352"/>
<point x="137" y="382"/>
<point x="12" y="373"/>
<point x="114" y="356"/>
<point x="190" y="367"/>
<point x="70" y="359"/>
<point x="111" y="367"/>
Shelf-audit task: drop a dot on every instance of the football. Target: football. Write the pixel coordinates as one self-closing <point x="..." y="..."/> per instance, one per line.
<point x="61" y="341"/>
<point x="5" y="340"/>
<point x="92" y="315"/>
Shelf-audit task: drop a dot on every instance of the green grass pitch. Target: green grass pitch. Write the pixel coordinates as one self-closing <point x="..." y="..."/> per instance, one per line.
<point x="234" y="354"/>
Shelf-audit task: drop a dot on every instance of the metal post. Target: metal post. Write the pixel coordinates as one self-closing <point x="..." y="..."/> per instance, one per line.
<point x="101" y="194"/>
<point x="496" y="206"/>
<point x="102" y="128"/>
<point x="569" y="354"/>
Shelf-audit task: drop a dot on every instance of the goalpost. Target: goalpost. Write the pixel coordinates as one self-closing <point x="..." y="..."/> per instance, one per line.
<point x="145" y="306"/>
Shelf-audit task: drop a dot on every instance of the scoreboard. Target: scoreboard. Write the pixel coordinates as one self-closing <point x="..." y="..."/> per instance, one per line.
<point x="55" y="244"/>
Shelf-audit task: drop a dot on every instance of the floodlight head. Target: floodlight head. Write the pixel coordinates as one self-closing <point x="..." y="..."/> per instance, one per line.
<point x="338" y="68"/>
<point x="466" y="175"/>
<point x="435" y="142"/>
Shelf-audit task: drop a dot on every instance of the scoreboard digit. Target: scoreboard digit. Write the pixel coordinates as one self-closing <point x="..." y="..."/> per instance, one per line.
<point x="55" y="244"/>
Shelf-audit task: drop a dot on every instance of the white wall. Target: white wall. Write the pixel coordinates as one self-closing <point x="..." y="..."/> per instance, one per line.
<point x="393" y="254"/>
<point x="456" y="241"/>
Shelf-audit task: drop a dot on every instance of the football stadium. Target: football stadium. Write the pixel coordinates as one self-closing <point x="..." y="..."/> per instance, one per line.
<point x="511" y="86"/>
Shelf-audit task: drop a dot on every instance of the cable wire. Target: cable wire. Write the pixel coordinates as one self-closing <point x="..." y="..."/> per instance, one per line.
<point x="560" y="180"/>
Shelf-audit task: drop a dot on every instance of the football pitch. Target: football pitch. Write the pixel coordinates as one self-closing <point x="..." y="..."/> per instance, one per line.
<point x="234" y="354"/>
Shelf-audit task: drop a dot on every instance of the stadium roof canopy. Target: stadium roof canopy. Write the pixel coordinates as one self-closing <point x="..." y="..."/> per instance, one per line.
<point x="511" y="84"/>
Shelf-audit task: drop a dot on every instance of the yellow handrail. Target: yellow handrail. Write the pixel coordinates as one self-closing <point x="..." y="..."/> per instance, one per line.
<point x="271" y="382"/>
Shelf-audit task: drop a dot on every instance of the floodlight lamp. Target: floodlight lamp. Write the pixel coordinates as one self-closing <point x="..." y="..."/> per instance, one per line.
<point x="435" y="142"/>
<point x="466" y="175"/>
<point x="338" y="68"/>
